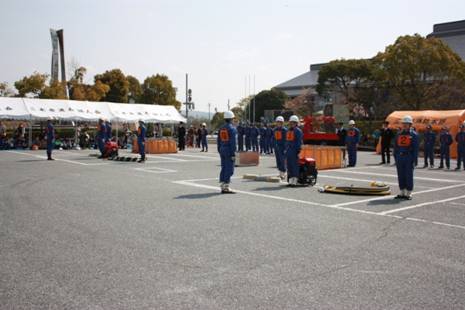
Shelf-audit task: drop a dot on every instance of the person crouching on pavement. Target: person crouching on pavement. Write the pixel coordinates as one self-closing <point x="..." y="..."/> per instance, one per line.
<point x="141" y="132"/>
<point x="293" y="146"/>
<point x="280" y="146"/>
<point x="405" y="153"/>
<point x="226" y="143"/>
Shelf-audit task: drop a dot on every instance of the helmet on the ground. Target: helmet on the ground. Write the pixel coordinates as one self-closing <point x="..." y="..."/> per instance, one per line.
<point x="351" y="122"/>
<point x="294" y="118"/>
<point x="407" y="119"/>
<point x="228" y="115"/>
<point x="280" y="119"/>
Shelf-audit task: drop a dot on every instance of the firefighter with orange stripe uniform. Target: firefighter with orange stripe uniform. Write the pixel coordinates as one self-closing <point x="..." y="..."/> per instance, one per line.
<point x="280" y="146"/>
<point x="406" y="153"/>
<point x="293" y="147"/>
<point x="226" y="143"/>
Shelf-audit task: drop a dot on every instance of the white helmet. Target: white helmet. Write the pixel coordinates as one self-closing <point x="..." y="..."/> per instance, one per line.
<point x="351" y="122"/>
<point x="407" y="119"/>
<point x="203" y="124"/>
<point x="280" y="119"/>
<point x="294" y="118"/>
<point x="228" y="115"/>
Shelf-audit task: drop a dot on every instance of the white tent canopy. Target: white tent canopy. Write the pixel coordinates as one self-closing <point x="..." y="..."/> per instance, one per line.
<point x="13" y="108"/>
<point x="71" y="110"/>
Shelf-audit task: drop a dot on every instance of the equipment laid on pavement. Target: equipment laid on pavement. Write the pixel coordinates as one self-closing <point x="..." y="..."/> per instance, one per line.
<point x="110" y="150"/>
<point x="124" y="158"/>
<point x="307" y="171"/>
<point x="257" y="177"/>
<point x="375" y="189"/>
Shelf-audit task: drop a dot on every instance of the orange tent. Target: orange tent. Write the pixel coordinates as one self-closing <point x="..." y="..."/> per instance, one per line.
<point x="450" y="118"/>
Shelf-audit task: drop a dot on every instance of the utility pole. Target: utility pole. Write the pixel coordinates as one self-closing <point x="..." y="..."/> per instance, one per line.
<point x="228" y="106"/>
<point x="209" y="104"/>
<point x="187" y="96"/>
<point x="254" y="97"/>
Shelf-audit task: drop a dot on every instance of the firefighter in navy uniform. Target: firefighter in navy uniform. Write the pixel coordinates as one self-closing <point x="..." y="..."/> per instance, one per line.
<point x="352" y="140"/>
<point x="50" y="134"/>
<point x="280" y="146"/>
<point x="293" y="146"/>
<point x="460" y="139"/>
<point x="406" y="153"/>
<point x="101" y="134"/>
<point x="141" y="132"/>
<point x="386" y="137"/>
<point x="247" y="132"/>
<point x="240" y="137"/>
<point x="429" y="139"/>
<point x="226" y="143"/>
<point x="445" y="139"/>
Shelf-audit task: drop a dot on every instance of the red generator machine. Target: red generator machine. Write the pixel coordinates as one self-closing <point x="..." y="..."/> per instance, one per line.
<point x="307" y="171"/>
<point x="110" y="150"/>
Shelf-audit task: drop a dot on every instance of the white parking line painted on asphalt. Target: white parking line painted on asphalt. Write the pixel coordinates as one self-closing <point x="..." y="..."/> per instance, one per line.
<point x="186" y="183"/>
<point x="274" y="197"/>
<point x="422" y="170"/>
<point x="164" y="157"/>
<point x="59" y="159"/>
<point x="392" y="196"/>
<point x="156" y="170"/>
<point x="395" y="176"/>
<point x="422" y="205"/>
<point x="180" y="162"/>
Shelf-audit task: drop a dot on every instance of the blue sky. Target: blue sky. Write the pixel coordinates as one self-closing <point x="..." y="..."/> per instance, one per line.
<point x="218" y="43"/>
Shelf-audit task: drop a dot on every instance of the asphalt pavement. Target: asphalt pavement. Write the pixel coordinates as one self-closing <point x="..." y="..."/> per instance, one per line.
<point x="85" y="233"/>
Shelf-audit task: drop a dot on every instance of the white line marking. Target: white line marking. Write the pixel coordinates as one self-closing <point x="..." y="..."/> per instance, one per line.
<point x="421" y="205"/>
<point x="156" y="170"/>
<point x="392" y="196"/>
<point x="164" y="157"/>
<point x="59" y="159"/>
<point x="195" y="156"/>
<point x="457" y="204"/>
<point x="421" y="170"/>
<point x="180" y="162"/>
<point x="275" y="197"/>
<point x="323" y="205"/>
<point x="395" y="176"/>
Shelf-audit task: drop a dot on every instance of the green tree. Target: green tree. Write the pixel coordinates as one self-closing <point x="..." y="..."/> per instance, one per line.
<point x="33" y="84"/>
<point x="89" y="92"/>
<point x="158" y="89"/>
<point x="302" y="104"/>
<point x="118" y="83"/>
<point x="135" y="89"/>
<point x="420" y="72"/>
<point x="273" y="99"/>
<point x="344" y="76"/>
<point x="56" y="90"/>
<point x="217" y="120"/>
<point x="238" y="113"/>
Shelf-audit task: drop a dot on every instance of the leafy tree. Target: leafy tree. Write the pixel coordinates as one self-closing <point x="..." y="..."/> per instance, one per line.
<point x="158" y="89"/>
<point x="33" y="84"/>
<point x="135" y="89"/>
<point x="302" y="104"/>
<point x="238" y="112"/>
<point x="344" y="76"/>
<point x="419" y="72"/>
<point x="118" y="83"/>
<point x="217" y="120"/>
<point x="56" y="90"/>
<point x="89" y="92"/>
<point x="273" y="99"/>
<point x="5" y="90"/>
<point x="79" y="74"/>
